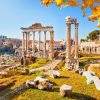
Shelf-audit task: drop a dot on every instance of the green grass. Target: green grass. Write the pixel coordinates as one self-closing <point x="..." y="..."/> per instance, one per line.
<point x="81" y="91"/>
<point x="39" y="62"/>
<point x="86" y="58"/>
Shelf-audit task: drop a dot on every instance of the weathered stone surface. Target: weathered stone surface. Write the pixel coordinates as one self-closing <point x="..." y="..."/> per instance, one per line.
<point x="88" y="74"/>
<point x="50" y="86"/>
<point x="81" y="72"/>
<point x="90" y="81"/>
<point x="65" y="90"/>
<point x="40" y="79"/>
<point x="96" y="82"/>
<point x="3" y="73"/>
<point x="53" y="73"/>
<point x="30" y="83"/>
<point x="40" y="83"/>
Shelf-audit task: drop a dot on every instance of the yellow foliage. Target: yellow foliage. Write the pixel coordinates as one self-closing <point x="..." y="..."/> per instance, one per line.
<point x="83" y="3"/>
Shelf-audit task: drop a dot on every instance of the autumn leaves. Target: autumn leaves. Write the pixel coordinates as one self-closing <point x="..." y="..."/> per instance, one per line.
<point x="94" y="5"/>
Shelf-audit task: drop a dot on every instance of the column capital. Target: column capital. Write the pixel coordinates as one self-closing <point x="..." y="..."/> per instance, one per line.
<point x="39" y="31"/>
<point x="33" y="31"/>
<point x="68" y="24"/>
<point x="45" y="31"/>
<point x="76" y="25"/>
<point x="52" y="31"/>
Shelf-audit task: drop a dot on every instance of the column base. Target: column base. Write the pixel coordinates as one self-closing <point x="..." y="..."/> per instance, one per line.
<point x="76" y="63"/>
<point x="72" y="64"/>
<point x="68" y="64"/>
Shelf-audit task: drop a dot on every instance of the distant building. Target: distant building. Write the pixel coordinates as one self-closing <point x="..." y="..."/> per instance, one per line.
<point x="90" y="47"/>
<point x="15" y="43"/>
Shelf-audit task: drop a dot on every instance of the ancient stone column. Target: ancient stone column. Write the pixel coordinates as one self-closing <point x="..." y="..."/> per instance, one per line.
<point x="33" y="44"/>
<point x="44" y="44"/>
<point x="76" y="47"/>
<point x="28" y="40"/>
<point x="76" y="41"/>
<point x="68" y="44"/>
<point x="23" y="44"/>
<point x="26" y="44"/>
<point x="51" y="52"/>
<point x="25" y="40"/>
<point x="39" y="41"/>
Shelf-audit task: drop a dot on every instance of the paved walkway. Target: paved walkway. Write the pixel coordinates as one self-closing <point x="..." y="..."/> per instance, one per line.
<point x="50" y="66"/>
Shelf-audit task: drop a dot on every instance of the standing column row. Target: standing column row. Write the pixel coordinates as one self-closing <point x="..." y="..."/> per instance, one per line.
<point x="76" y="47"/>
<point x="68" y="45"/>
<point x="25" y="43"/>
<point x="68" y="40"/>
<point x="51" y="51"/>
<point x="33" y="44"/>
<point x="44" y="44"/>
<point x="76" y="41"/>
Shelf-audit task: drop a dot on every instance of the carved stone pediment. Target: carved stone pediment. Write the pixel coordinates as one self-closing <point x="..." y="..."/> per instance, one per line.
<point x="36" y="26"/>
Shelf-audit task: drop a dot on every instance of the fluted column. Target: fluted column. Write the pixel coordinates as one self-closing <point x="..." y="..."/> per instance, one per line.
<point x="23" y="44"/>
<point x="51" y="52"/>
<point x="28" y="40"/>
<point x="76" y="47"/>
<point x="33" y="43"/>
<point x="39" y="41"/>
<point x="68" y="41"/>
<point x="44" y="44"/>
<point x="26" y="43"/>
<point x="76" y="41"/>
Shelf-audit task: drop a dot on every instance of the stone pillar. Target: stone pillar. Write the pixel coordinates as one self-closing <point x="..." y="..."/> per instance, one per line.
<point x="33" y="44"/>
<point x="23" y="44"/>
<point x="76" y="47"/>
<point x="26" y="43"/>
<point x="39" y="41"/>
<point x="51" y="51"/>
<point x="68" y="45"/>
<point x="25" y="39"/>
<point x="28" y="40"/>
<point x="44" y="44"/>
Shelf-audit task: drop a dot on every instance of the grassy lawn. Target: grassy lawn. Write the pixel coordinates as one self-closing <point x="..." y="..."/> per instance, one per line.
<point x="81" y="91"/>
<point x="39" y="62"/>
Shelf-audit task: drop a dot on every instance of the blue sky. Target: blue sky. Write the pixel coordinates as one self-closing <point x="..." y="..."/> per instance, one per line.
<point x="22" y="13"/>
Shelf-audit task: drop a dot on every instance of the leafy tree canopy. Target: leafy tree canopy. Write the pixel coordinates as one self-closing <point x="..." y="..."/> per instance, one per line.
<point x="94" y="5"/>
<point x="94" y="35"/>
<point x="7" y="50"/>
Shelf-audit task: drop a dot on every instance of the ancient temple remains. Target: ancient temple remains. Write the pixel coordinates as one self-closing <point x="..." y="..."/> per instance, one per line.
<point x="72" y="63"/>
<point x="37" y="27"/>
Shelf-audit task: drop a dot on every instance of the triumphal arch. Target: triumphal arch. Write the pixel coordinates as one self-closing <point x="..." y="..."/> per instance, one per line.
<point x="71" y="62"/>
<point x="37" y="27"/>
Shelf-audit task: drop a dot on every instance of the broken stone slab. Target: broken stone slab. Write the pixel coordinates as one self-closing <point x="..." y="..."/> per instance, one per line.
<point x="45" y="86"/>
<point x="65" y="90"/>
<point x="96" y="82"/>
<point x="30" y="83"/>
<point x="50" y="86"/>
<point x="41" y="87"/>
<point x="3" y="73"/>
<point x="53" y="73"/>
<point x="81" y="72"/>
<point x="40" y="79"/>
<point x="90" y="81"/>
<point x="88" y="74"/>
